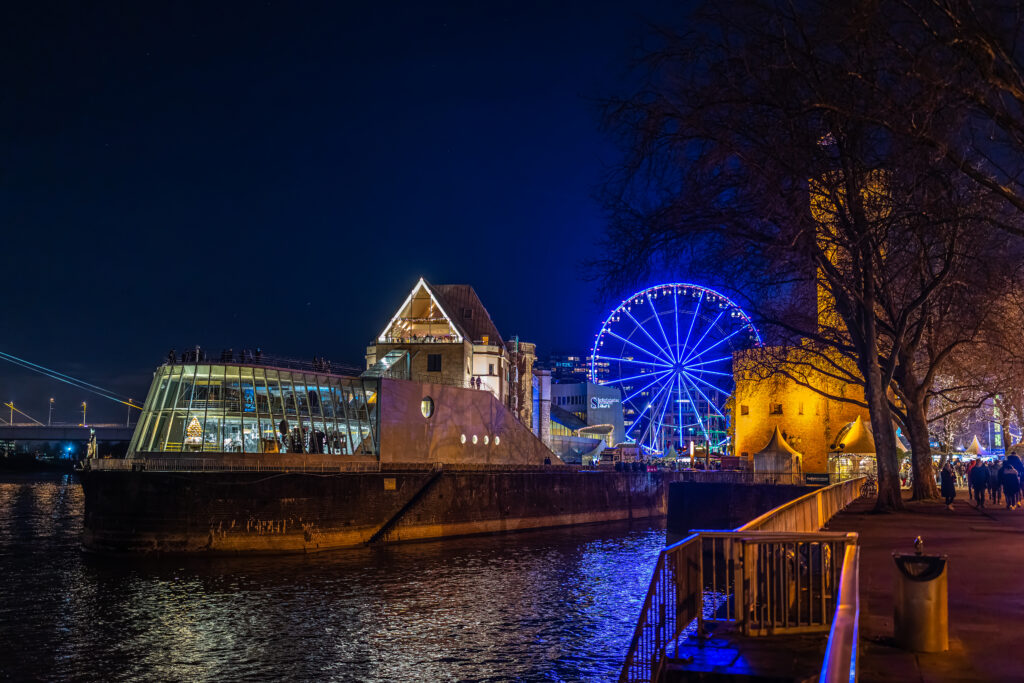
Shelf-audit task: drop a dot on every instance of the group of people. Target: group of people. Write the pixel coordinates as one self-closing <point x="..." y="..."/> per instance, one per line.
<point x="990" y="481"/>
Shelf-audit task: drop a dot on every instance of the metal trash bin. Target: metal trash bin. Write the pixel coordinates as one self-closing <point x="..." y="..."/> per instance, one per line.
<point x="921" y="610"/>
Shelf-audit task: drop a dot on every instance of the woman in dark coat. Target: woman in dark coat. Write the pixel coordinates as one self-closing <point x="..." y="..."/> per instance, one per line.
<point x="948" y="484"/>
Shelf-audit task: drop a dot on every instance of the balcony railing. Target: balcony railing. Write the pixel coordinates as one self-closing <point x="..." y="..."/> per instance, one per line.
<point x="776" y="574"/>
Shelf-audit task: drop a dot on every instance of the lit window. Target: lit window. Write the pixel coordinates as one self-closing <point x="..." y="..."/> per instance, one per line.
<point x="487" y="439"/>
<point x="776" y="409"/>
<point x="427" y="406"/>
<point x="463" y="438"/>
<point x="474" y="438"/>
<point x="496" y="440"/>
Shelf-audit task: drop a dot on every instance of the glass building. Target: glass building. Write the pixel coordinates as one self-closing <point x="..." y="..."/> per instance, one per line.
<point x="231" y="408"/>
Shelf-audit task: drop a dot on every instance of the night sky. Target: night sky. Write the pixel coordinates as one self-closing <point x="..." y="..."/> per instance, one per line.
<point x="279" y="175"/>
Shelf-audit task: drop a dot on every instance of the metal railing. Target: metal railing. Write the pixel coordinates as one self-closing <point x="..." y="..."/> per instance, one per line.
<point x="775" y="574"/>
<point x="840" y="662"/>
<point x="740" y="477"/>
<point x="299" y="464"/>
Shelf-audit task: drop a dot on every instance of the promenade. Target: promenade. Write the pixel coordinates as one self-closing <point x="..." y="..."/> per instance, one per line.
<point x="986" y="602"/>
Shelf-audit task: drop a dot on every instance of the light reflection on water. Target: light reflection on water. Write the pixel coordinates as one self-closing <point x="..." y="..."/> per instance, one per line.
<point x="546" y="605"/>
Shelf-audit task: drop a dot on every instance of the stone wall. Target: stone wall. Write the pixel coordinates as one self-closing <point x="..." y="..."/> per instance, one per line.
<point x="240" y="513"/>
<point x="408" y="436"/>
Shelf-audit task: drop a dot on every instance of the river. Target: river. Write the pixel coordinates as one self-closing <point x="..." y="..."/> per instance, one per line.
<point x="556" y="605"/>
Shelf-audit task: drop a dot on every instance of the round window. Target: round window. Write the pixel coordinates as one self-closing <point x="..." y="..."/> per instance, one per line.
<point x="427" y="406"/>
<point x="463" y="439"/>
<point x="474" y="438"/>
<point x="487" y="439"/>
<point x="497" y="440"/>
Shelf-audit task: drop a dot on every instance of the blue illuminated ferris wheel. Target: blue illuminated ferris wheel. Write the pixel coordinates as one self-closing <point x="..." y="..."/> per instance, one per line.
<point x="669" y="349"/>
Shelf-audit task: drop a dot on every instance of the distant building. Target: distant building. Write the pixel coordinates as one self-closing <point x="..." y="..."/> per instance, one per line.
<point x="583" y="418"/>
<point x="575" y="367"/>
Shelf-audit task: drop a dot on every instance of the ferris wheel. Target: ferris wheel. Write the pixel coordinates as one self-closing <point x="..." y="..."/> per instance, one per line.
<point x="669" y="350"/>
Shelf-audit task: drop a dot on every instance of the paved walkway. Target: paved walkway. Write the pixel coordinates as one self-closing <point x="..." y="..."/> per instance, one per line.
<point x="986" y="590"/>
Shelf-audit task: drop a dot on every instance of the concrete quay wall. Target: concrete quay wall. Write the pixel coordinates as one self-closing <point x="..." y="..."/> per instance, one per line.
<point x="713" y="505"/>
<point x="299" y="512"/>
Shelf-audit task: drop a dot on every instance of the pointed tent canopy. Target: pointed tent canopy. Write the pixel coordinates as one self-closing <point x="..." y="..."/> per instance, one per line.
<point x="856" y="438"/>
<point x="777" y="456"/>
<point x="975" y="448"/>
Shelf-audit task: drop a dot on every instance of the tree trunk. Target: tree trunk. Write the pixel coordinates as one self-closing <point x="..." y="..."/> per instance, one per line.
<point x="889" y="498"/>
<point x="923" y="487"/>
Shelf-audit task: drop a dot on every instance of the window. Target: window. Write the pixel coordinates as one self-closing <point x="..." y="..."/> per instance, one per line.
<point x="433" y="362"/>
<point x="467" y="313"/>
<point x="497" y="440"/>
<point x="776" y="409"/>
<point x="744" y="410"/>
<point x="462" y="438"/>
<point x="427" y="406"/>
<point x="474" y="438"/>
<point x="800" y="408"/>
<point x="490" y="368"/>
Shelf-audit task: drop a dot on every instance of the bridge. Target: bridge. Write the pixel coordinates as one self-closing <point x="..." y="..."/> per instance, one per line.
<point x="28" y="431"/>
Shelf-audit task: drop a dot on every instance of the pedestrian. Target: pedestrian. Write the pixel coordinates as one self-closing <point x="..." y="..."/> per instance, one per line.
<point x="978" y="479"/>
<point x="967" y="476"/>
<point x="948" y="484"/>
<point x="1009" y="480"/>
<point x="994" y="488"/>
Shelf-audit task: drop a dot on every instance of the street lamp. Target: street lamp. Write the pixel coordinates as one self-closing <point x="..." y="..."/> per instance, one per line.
<point x="49" y="420"/>
<point x="128" y="420"/>
<point x="83" y="414"/>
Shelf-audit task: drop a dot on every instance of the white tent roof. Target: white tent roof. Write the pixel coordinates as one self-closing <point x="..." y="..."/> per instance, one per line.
<point x="777" y="446"/>
<point x="975" y="447"/>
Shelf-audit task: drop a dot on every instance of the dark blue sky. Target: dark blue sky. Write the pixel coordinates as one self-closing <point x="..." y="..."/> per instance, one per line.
<point x="279" y="175"/>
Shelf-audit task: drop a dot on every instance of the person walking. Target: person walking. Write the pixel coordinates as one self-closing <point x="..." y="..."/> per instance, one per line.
<point x="994" y="488"/>
<point x="1010" y="482"/>
<point x="978" y="479"/>
<point x="948" y="484"/>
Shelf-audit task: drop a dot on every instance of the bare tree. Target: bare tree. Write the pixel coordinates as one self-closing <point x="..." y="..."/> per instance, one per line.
<point x="762" y="151"/>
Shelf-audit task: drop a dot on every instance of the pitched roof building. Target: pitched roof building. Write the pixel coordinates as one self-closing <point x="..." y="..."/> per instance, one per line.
<point x="448" y="337"/>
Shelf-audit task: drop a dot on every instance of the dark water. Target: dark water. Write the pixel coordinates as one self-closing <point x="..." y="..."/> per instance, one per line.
<point x="547" y="605"/>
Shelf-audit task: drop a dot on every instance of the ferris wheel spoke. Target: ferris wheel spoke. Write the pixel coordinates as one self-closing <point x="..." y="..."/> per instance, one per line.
<point x="693" y="319"/>
<point x="709" y="401"/>
<point x="627" y="379"/>
<point x="657" y="318"/>
<point x="696" y="346"/>
<point x="649" y="404"/>
<point x="644" y="330"/>
<point x="717" y="343"/>
<point x="666" y="399"/>
<point x="675" y="309"/>
<point x="708" y="362"/>
<point x="634" y="361"/>
<point x="693" y="379"/>
<point x="656" y="379"/>
<point x="712" y="372"/>
<point x="696" y="413"/>
<point x="637" y="346"/>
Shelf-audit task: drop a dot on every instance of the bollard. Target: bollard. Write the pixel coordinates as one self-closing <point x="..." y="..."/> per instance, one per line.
<point x="921" y="610"/>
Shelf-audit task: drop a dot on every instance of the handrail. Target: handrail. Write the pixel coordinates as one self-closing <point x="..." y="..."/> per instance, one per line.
<point x="840" y="662"/>
<point x="675" y="588"/>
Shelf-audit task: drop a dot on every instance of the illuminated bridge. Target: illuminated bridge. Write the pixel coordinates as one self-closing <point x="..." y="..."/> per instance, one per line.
<point x="60" y="432"/>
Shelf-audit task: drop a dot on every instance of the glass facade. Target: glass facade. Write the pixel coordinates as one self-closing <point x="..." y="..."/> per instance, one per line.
<point x="255" y="409"/>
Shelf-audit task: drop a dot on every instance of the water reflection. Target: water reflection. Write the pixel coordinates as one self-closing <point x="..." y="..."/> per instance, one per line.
<point x="553" y="605"/>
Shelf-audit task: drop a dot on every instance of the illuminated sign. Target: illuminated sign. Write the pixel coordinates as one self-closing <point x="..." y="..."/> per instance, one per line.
<point x="602" y="403"/>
